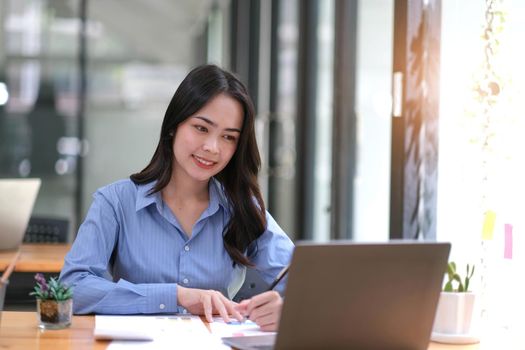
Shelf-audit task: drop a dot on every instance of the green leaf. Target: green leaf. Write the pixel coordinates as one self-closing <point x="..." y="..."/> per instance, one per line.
<point x="68" y="294"/>
<point x="450" y="269"/>
<point x="448" y="287"/>
<point x="53" y="284"/>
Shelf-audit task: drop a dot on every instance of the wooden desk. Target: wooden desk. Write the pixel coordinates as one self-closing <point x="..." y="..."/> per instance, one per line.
<point x="37" y="258"/>
<point x="19" y="331"/>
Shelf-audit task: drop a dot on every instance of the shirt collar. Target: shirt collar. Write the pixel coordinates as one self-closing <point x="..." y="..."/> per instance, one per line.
<point x="144" y="198"/>
<point x="217" y="196"/>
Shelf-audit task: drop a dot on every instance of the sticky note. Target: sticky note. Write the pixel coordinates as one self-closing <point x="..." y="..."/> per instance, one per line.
<point x="488" y="225"/>
<point x="507" y="253"/>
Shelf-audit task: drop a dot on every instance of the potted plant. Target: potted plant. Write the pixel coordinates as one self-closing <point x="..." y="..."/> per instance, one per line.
<point x="54" y="302"/>
<point x="455" y="308"/>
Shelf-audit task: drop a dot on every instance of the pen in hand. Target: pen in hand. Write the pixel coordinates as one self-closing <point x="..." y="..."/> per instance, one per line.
<point x="262" y="299"/>
<point x="279" y="277"/>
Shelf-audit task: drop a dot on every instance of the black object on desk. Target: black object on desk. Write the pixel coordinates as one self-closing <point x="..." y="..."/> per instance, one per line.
<point x="46" y="230"/>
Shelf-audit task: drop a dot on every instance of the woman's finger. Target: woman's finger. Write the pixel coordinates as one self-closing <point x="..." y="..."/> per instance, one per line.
<point x="232" y="308"/>
<point x="267" y="322"/>
<point x="260" y="300"/>
<point x="270" y="327"/>
<point x="207" y="306"/>
<point x="218" y="302"/>
<point x="242" y="307"/>
<point x="261" y="311"/>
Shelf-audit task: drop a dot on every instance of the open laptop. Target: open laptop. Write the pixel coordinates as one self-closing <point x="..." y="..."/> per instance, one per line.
<point x="345" y="295"/>
<point x="17" y="197"/>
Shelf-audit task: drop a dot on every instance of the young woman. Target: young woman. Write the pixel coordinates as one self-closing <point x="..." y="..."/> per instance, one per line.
<point x="178" y="236"/>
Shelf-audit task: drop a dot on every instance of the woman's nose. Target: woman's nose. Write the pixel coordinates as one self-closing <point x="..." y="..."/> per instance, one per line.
<point x="211" y="145"/>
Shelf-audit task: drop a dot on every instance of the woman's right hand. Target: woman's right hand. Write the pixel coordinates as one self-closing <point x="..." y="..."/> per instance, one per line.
<point x="207" y="303"/>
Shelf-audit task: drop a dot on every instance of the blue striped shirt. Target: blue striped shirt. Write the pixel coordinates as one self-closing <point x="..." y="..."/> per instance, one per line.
<point x="131" y="252"/>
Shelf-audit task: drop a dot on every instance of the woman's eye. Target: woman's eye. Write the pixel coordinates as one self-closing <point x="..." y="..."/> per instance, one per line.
<point x="230" y="137"/>
<point x="201" y="128"/>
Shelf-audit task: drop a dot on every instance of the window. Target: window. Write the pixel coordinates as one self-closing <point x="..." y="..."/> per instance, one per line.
<point x="482" y="127"/>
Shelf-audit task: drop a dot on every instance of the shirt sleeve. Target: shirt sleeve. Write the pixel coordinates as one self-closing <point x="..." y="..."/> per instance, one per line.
<point x="271" y="252"/>
<point x="86" y="270"/>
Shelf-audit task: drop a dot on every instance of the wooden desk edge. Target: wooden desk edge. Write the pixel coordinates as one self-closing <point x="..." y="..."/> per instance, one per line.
<point x="47" y="258"/>
<point x="22" y="326"/>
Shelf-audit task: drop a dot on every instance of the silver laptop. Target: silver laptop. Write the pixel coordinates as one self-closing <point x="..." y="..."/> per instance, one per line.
<point x="17" y="197"/>
<point x="345" y="295"/>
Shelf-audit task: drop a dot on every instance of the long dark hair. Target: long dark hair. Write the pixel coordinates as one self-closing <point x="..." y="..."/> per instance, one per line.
<point x="238" y="178"/>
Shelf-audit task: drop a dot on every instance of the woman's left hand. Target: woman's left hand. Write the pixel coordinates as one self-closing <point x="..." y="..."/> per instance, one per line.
<point x="263" y="309"/>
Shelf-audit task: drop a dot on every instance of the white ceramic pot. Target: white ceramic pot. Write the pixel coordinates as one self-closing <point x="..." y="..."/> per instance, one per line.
<point x="454" y="313"/>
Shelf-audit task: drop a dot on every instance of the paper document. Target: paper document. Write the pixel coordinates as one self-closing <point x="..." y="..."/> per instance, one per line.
<point x="221" y="329"/>
<point x="155" y="332"/>
<point x="125" y="327"/>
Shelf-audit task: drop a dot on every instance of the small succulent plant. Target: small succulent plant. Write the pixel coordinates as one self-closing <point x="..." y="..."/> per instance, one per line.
<point x="51" y="289"/>
<point x="453" y="276"/>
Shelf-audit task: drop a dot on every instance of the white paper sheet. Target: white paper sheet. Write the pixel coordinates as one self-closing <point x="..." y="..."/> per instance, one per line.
<point x="163" y="332"/>
<point x="208" y="342"/>
<point x="221" y="329"/>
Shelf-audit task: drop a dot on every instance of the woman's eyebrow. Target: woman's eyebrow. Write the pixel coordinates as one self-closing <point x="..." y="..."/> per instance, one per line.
<point x="212" y="123"/>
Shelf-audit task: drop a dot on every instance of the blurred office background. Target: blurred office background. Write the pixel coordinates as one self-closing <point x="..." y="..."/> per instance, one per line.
<point x="376" y="119"/>
<point x="88" y="83"/>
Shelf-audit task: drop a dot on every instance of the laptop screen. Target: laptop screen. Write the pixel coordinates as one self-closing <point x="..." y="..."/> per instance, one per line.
<point x="16" y="204"/>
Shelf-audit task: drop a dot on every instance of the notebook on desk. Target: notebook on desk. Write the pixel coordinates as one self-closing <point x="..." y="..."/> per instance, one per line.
<point x="358" y="296"/>
<point x="17" y="197"/>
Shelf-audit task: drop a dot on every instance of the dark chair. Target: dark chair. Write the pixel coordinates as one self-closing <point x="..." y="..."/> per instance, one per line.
<point x="46" y="230"/>
<point x="253" y="285"/>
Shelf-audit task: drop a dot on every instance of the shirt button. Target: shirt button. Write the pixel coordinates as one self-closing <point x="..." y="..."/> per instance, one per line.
<point x="187" y="248"/>
<point x="185" y="281"/>
<point x="162" y="306"/>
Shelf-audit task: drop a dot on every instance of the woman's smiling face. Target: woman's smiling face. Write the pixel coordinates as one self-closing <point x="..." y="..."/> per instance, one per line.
<point x="206" y="141"/>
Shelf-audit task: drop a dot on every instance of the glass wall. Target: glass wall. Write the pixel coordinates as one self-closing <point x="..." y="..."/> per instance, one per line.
<point x="38" y="114"/>
<point x="373" y="111"/>
<point x="324" y="114"/>
<point x="282" y="199"/>
<point x="481" y="187"/>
